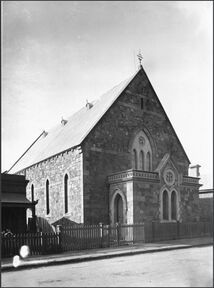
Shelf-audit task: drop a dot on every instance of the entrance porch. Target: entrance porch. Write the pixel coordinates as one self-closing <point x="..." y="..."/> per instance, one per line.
<point x="129" y="193"/>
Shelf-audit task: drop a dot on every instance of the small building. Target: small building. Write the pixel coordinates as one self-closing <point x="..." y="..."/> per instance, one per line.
<point x="118" y="159"/>
<point x="14" y="204"/>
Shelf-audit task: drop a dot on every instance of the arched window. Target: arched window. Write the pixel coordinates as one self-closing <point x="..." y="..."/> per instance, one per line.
<point x="135" y="158"/>
<point x="173" y="206"/>
<point x="141" y="160"/>
<point x="148" y="161"/>
<point x="66" y="192"/>
<point x="47" y="198"/>
<point x="32" y="193"/>
<point x="165" y="205"/>
<point x="141" y="152"/>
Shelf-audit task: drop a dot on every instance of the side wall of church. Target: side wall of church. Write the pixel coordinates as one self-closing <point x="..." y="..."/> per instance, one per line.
<point x="54" y="170"/>
<point x="107" y="150"/>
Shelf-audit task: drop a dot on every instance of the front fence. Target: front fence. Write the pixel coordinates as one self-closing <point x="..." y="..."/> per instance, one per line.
<point x="39" y="243"/>
<point x="79" y="237"/>
<point x="123" y="234"/>
<point x="155" y="231"/>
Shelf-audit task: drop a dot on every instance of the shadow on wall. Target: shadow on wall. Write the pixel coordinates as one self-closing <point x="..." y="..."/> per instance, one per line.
<point x="43" y="225"/>
<point x="64" y="222"/>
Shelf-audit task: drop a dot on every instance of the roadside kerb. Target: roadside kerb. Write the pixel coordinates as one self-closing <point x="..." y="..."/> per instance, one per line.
<point x="102" y="255"/>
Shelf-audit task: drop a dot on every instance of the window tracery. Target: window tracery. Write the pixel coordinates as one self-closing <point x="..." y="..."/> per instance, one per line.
<point x="142" y="152"/>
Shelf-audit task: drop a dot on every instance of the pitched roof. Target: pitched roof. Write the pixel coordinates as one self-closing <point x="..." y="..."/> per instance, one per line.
<point x="63" y="137"/>
<point x="78" y="126"/>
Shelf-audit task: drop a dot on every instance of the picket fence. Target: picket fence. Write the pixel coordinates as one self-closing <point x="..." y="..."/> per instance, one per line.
<point x="80" y="237"/>
<point x="38" y="242"/>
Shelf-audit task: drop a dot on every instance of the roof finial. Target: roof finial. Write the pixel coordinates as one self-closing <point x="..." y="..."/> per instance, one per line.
<point x="88" y="104"/>
<point x="140" y="57"/>
<point x="63" y="121"/>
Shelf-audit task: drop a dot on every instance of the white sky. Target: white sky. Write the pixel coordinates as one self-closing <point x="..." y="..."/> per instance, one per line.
<point x="57" y="54"/>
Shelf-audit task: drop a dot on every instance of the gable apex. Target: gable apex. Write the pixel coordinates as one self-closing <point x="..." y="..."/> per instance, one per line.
<point x="166" y="160"/>
<point x="167" y="118"/>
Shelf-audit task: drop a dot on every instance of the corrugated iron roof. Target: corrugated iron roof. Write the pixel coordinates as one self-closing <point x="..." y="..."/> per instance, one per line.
<point x="62" y="137"/>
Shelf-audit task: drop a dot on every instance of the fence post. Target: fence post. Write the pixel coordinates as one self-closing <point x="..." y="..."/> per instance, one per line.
<point x="118" y="233"/>
<point x="178" y="229"/>
<point x="108" y="231"/>
<point x="59" y="236"/>
<point x="153" y="231"/>
<point x="144" y="236"/>
<point x="204" y="229"/>
<point x="43" y="242"/>
<point x="101" y="234"/>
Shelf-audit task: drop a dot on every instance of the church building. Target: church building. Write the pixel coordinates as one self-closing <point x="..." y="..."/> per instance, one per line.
<point x="118" y="159"/>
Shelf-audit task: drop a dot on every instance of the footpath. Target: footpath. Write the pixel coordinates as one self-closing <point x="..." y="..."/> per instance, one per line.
<point x="103" y="253"/>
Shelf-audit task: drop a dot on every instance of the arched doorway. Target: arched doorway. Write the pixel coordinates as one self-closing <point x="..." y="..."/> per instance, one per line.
<point x="118" y="209"/>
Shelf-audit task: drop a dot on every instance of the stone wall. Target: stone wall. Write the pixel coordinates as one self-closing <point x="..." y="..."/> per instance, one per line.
<point x="206" y="209"/>
<point x="54" y="169"/>
<point x="107" y="148"/>
<point x="146" y="202"/>
<point x="189" y="203"/>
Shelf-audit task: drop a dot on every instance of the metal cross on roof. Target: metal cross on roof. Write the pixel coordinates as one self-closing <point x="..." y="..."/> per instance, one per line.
<point x="140" y="57"/>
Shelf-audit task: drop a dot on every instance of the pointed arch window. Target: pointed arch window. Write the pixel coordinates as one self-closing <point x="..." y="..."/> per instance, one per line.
<point x="141" y="160"/>
<point x="173" y="206"/>
<point x="66" y="192"/>
<point x="165" y="205"/>
<point x="141" y="152"/>
<point x="32" y="192"/>
<point x="135" y="159"/>
<point x="47" y="198"/>
<point x="148" y="161"/>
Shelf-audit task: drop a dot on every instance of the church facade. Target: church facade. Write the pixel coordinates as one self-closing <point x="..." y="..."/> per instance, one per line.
<point x="116" y="160"/>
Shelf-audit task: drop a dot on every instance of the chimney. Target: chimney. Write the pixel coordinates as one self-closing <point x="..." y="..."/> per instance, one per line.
<point x="197" y="172"/>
